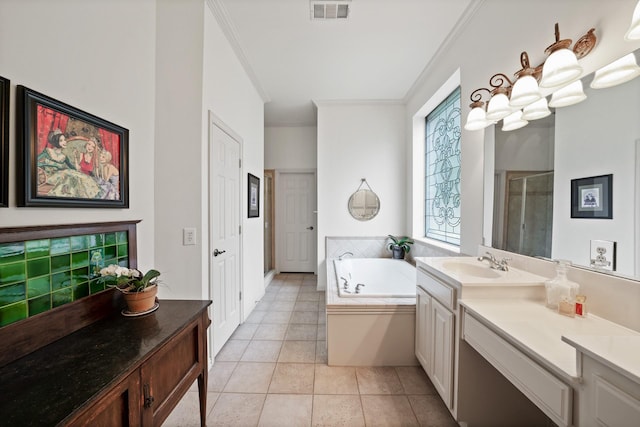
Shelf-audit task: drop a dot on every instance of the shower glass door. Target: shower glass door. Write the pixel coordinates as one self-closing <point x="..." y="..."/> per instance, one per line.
<point x="529" y="214"/>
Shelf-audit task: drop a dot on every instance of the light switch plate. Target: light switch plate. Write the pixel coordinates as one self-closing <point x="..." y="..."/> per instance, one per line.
<point x="603" y="255"/>
<point x="188" y="236"/>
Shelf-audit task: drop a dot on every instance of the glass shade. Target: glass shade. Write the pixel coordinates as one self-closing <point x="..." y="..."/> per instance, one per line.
<point x="514" y="121"/>
<point x="498" y="107"/>
<point x="537" y="110"/>
<point x="560" y="68"/>
<point x="524" y="92"/>
<point x="618" y="72"/>
<point x="633" y="33"/>
<point x="568" y="95"/>
<point x="477" y="119"/>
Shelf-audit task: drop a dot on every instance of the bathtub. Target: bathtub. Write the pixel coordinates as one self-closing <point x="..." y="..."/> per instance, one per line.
<point x="381" y="277"/>
<point x="375" y="327"/>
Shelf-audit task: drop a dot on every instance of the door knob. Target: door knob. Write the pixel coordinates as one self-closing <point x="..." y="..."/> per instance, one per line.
<point x="310" y="228"/>
<point x="217" y="252"/>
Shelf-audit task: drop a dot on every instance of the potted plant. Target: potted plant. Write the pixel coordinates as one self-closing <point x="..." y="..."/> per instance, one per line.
<point x="399" y="246"/>
<point x="139" y="290"/>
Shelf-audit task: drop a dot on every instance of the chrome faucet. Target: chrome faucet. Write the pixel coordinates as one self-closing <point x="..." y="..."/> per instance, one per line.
<point x="345" y="285"/>
<point x="343" y="255"/>
<point x="358" y="286"/>
<point x="494" y="263"/>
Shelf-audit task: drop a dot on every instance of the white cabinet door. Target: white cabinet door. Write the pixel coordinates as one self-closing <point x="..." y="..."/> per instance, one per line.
<point x="442" y="328"/>
<point x="423" y="332"/>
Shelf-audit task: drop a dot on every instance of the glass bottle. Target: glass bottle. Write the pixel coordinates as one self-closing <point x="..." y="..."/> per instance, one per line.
<point x="560" y="288"/>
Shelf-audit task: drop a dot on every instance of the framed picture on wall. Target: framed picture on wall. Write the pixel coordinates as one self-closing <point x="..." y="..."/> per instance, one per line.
<point x="68" y="157"/>
<point x="5" y="87"/>
<point x="253" y="196"/>
<point x="592" y="197"/>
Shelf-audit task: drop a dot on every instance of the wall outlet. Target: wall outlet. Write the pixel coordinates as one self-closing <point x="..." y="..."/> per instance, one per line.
<point x="189" y="236"/>
<point x="603" y="255"/>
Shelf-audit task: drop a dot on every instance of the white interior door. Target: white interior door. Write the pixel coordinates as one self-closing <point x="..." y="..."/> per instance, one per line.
<point x="297" y="220"/>
<point x="224" y="209"/>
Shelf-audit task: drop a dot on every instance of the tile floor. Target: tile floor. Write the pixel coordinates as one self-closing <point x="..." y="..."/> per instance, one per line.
<point x="273" y="372"/>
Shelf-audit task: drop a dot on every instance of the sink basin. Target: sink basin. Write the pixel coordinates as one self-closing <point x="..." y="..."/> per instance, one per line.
<point x="468" y="269"/>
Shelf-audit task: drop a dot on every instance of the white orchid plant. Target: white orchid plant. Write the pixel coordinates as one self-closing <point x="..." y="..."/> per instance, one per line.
<point x="128" y="279"/>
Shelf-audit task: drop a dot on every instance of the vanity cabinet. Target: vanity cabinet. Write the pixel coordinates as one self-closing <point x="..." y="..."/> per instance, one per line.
<point x="423" y="335"/>
<point x="435" y="327"/>
<point x="607" y="396"/>
<point x="116" y="371"/>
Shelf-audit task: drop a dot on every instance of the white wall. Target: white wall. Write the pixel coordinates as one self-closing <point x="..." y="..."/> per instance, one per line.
<point x="179" y="170"/>
<point x="596" y="138"/>
<point x="99" y="57"/>
<point x="231" y="96"/>
<point x="199" y="72"/>
<point x="359" y="140"/>
<point x="290" y="147"/>
<point x="480" y="53"/>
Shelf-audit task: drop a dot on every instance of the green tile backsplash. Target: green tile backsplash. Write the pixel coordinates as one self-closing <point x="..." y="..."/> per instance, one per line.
<point x="38" y="275"/>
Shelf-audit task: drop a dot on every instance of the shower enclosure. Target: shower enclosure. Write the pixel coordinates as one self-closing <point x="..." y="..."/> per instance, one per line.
<point x="527" y="217"/>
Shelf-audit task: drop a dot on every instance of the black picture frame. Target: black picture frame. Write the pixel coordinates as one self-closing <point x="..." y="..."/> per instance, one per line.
<point x="67" y="172"/>
<point x="253" y="196"/>
<point x="592" y="197"/>
<point x="5" y="89"/>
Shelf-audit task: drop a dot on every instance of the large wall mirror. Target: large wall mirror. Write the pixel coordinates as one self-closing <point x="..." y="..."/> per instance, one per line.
<point x="528" y="174"/>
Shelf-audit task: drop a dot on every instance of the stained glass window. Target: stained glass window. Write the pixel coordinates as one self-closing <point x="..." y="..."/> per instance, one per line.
<point x="442" y="171"/>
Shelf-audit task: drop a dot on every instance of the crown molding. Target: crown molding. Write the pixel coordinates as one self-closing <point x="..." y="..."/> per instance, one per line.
<point x="221" y="15"/>
<point x="359" y="102"/>
<point x="445" y="46"/>
<point x="290" y="125"/>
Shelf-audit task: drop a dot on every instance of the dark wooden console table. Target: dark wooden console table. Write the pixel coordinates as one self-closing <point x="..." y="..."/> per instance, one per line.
<point x="116" y="370"/>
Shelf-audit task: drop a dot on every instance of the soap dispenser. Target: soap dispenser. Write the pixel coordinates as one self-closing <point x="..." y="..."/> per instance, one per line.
<point x="561" y="289"/>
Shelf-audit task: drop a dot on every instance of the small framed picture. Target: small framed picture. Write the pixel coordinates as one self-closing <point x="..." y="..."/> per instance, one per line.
<point x="592" y="197"/>
<point x="68" y="157"/>
<point x="253" y="196"/>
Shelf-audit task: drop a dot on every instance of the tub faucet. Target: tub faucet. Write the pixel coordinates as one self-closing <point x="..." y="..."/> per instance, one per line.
<point x="345" y="285"/>
<point x="343" y="255"/>
<point x="494" y="263"/>
<point x="358" y="286"/>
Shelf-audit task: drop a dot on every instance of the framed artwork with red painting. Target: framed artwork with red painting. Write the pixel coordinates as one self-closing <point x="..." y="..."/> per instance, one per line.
<point x="69" y="158"/>
<point x="4" y="142"/>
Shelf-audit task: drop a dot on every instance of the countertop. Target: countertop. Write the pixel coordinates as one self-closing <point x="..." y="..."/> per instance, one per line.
<point x="452" y="269"/>
<point x="552" y="339"/>
<point x="619" y="352"/>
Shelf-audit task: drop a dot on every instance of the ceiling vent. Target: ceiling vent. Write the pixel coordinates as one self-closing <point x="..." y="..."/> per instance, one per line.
<point x="328" y="10"/>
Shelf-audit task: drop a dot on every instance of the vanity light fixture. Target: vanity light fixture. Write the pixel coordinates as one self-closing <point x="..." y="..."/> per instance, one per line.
<point x="514" y="121"/>
<point x="619" y="71"/>
<point x="477" y="117"/>
<point x="561" y="67"/>
<point x="498" y="107"/>
<point x="568" y="95"/>
<point x="525" y="90"/>
<point x="536" y="110"/>
<point x="633" y="33"/>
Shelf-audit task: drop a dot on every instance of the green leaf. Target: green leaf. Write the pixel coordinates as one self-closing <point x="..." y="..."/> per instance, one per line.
<point x="149" y="276"/>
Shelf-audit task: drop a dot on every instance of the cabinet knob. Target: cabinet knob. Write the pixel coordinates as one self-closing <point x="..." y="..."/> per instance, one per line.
<point x="148" y="398"/>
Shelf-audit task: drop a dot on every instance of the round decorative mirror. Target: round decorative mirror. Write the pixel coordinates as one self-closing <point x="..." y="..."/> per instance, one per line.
<point x="364" y="204"/>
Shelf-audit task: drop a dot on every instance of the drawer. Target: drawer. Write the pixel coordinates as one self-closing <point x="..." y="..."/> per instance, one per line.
<point x="550" y="394"/>
<point x="443" y="293"/>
